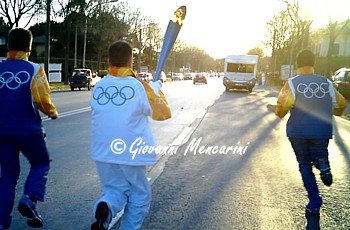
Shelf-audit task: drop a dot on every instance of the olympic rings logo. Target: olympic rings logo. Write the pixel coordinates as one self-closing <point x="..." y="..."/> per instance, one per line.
<point x="313" y="89"/>
<point x="14" y="81"/>
<point x="113" y="94"/>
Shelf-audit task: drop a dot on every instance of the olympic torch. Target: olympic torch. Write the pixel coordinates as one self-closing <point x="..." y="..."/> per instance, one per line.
<point x="170" y="36"/>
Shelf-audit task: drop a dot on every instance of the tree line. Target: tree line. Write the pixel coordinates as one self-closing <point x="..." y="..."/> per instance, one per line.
<point x="81" y="32"/>
<point x="290" y="31"/>
<point x="97" y="24"/>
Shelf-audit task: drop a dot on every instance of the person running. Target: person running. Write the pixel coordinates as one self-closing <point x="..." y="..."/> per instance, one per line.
<point x="121" y="106"/>
<point x="24" y="90"/>
<point x="311" y="100"/>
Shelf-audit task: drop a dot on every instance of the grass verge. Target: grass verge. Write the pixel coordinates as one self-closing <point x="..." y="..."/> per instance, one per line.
<point x="59" y="86"/>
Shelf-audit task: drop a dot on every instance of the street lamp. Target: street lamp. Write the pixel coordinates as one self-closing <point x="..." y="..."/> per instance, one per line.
<point x="75" y="46"/>
<point x="85" y="32"/>
<point x="47" y="42"/>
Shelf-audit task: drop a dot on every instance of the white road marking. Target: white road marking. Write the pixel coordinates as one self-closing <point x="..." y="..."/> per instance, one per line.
<point x="68" y="113"/>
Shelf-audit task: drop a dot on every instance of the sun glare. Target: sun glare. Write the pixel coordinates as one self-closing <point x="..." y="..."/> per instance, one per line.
<point x="320" y="12"/>
<point x="230" y="27"/>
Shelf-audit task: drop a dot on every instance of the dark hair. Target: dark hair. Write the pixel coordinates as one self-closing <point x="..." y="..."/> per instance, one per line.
<point x="19" y="39"/>
<point x="305" y="58"/>
<point x="120" y="53"/>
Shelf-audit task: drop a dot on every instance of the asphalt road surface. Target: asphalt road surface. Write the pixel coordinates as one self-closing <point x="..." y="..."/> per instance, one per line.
<point x="258" y="187"/>
<point x="255" y="185"/>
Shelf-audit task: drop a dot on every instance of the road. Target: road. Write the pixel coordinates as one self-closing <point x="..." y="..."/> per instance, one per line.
<point x="73" y="185"/>
<point x="255" y="186"/>
<point x="260" y="189"/>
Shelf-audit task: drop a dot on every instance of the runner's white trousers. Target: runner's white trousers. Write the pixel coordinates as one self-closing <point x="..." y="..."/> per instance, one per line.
<point x="127" y="187"/>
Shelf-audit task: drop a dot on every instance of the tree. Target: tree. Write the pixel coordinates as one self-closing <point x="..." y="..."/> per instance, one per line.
<point x="122" y="23"/>
<point x="14" y="11"/>
<point x="256" y="51"/>
<point x="192" y="57"/>
<point x="79" y="18"/>
<point x="333" y="29"/>
<point x="140" y="35"/>
<point x="152" y="45"/>
<point x="288" y="33"/>
<point x="100" y="38"/>
<point x="260" y="52"/>
<point x="74" y="15"/>
<point x="300" y="26"/>
<point x="279" y="31"/>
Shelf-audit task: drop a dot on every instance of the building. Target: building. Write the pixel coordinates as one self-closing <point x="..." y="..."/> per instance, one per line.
<point x="341" y="45"/>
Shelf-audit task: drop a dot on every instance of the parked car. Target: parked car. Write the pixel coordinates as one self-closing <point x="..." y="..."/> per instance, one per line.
<point x="189" y="76"/>
<point x="144" y="76"/>
<point x="169" y="75"/>
<point x="102" y="73"/>
<point x="178" y="76"/>
<point x="341" y="81"/>
<point x="200" y="78"/>
<point x="81" y="78"/>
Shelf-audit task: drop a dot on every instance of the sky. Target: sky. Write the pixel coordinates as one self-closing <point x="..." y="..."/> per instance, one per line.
<point x="224" y="27"/>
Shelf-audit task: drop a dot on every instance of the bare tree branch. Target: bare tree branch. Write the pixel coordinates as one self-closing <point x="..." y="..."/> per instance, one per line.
<point x="15" y="10"/>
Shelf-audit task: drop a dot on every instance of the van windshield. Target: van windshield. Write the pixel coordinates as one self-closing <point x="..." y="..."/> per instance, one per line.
<point x="240" y="68"/>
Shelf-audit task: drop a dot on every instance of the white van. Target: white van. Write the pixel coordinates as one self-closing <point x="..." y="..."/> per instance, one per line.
<point x="240" y="72"/>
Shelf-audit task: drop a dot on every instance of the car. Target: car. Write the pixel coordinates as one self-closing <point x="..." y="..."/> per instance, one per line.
<point x="341" y="81"/>
<point x="177" y="76"/>
<point x="169" y="75"/>
<point x="102" y="73"/>
<point x="200" y="78"/>
<point x="144" y="76"/>
<point x="81" y="78"/>
<point x="189" y="76"/>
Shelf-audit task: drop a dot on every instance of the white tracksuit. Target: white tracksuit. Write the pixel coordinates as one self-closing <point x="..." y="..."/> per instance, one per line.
<point x="122" y="144"/>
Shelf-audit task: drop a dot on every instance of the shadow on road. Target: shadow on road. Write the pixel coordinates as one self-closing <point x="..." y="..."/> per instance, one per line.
<point x="192" y="185"/>
<point x="338" y="139"/>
